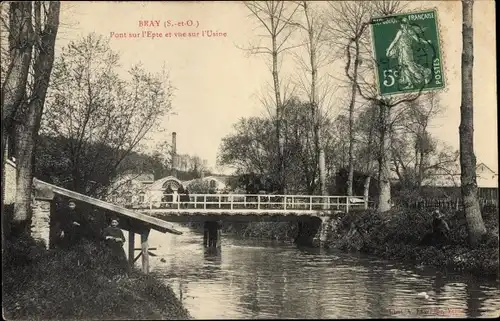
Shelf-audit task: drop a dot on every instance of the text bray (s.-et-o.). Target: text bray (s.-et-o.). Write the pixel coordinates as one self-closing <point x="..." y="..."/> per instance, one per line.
<point x="155" y="29"/>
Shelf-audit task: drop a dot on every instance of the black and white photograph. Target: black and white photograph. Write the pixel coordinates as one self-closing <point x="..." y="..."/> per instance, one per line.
<point x="183" y="160"/>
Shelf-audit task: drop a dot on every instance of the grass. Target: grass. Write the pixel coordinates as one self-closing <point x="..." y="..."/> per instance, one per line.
<point x="79" y="283"/>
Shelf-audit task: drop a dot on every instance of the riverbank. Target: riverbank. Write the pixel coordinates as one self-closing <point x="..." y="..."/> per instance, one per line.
<point x="79" y="283"/>
<point x="395" y="235"/>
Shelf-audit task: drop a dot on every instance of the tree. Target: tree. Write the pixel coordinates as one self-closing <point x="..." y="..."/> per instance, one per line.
<point x="386" y="106"/>
<point x="199" y="186"/>
<point x="416" y="155"/>
<point x="45" y="25"/>
<point x="103" y="116"/>
<point x="15" y="68"/>
<point x="275" y="17"/>
<point x="472" y="209"/>
<point x="249" y="149"/>
<point x="348" y="25"/>
<point x="313" y="27"/>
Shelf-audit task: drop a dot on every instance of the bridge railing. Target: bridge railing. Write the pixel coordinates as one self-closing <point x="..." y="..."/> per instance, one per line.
<point x="258" y="202"/>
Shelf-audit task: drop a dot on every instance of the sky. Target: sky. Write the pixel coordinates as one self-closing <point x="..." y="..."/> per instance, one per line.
<point x="217" y="83"/>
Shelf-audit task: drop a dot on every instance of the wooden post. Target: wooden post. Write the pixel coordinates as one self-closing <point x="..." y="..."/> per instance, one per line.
<point x="205" y="234"/>
<point x="144" y="251"/>
<point x="131" y="245"/>
<point x="219" y="236"/>
<point x="258" y="202"/>
<point x="310" y="202"/>
<point x="347" y="204"/>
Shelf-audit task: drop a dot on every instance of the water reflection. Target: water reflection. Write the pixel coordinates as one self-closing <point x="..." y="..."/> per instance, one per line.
<point x="258" y="279"/>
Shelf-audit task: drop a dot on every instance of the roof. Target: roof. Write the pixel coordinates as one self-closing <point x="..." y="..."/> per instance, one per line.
<point x="484" y="166"/>
<point x="158" y="185"/>
<point x="453" y="180"/>
<point x="142" y="219"/>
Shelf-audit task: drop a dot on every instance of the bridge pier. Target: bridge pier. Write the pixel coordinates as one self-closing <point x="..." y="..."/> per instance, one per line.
<point x="308" y="228"/>
<point x="211" y="234"/>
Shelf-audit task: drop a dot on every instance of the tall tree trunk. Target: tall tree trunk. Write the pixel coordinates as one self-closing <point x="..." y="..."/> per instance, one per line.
<point x="472" y="209"/>
<point x="27" y="130"/>
<point x="319" y="150"/>
<point x="366" y="187"/>
<point x="279" y="111"/>
<point x="352" y="103"/>
<point x="14" y="86"/>
<point x="384" y="199"/>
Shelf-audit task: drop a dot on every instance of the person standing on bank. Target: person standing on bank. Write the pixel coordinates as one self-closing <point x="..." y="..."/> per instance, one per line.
<point x="440" y="227"/>
<point x="114" y="238"/>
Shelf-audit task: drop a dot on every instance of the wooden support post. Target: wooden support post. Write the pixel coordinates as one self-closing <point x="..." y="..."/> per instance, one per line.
<point x="144" y="251"/>
<point x="212" y="234"/>
<point x="219" y="236"/>
<point x="131" y="245"/>
<point x="205" y="234"/>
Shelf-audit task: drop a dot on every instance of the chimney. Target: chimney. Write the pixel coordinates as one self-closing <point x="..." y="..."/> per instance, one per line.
<point x="174" y="153"/>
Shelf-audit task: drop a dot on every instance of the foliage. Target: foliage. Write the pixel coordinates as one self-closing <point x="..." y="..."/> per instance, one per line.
<point x="250" y="150"/>
<point x="199" y="186"/>
<point x="398" y="234"/>
<point x="103" y="116"/>
<point x="80" y="283"/>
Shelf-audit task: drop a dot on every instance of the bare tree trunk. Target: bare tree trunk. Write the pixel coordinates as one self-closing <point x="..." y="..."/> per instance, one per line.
<point x="366" y="187"/>
<point x="472" y="209"/>
<point x="352" y="103"/>
<point x="384" y="199"/>
<point x="27" y="131"/>
<point x="313" y="60"/>
<point x="277" y="93"/>
<point x="14" y="86"/>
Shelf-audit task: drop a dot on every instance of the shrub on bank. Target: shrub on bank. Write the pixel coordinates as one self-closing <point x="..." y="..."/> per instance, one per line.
<point x="80" y="282"/>
<point x="397" y="235"/>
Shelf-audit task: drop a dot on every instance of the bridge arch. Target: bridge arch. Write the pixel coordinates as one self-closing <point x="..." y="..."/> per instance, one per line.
<point x="164" y="183"/>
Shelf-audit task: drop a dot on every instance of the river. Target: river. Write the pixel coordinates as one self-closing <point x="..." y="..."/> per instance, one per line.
<point x="251" y="279"/>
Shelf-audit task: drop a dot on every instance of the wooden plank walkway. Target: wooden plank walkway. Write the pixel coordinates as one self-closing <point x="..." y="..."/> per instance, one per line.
<point x="154" y="223"/>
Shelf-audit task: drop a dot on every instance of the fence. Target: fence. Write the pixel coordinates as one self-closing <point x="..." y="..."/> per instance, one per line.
<point x="445" y="204"/>
<point x="258" y="202"/>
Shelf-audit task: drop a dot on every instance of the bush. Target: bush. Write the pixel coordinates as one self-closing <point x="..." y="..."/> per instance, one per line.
<point x="396" y="234"/>
<point x="80" y="283"/>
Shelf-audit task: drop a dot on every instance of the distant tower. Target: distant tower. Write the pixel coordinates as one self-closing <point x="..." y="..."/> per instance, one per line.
<point x="174" y="153"/>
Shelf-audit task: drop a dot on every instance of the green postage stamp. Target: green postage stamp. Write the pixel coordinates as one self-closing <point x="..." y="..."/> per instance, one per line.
<point x="407" y="53"/>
